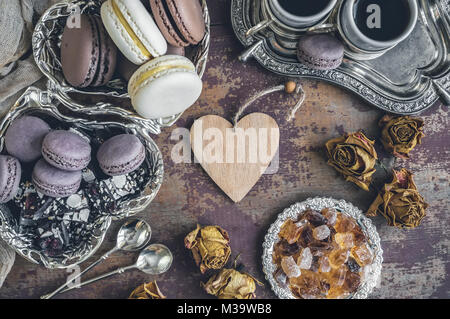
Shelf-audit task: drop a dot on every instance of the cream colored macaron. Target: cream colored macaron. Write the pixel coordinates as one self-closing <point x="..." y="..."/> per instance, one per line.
<point x="133" y="30"/>
<point x="164" y="87"/>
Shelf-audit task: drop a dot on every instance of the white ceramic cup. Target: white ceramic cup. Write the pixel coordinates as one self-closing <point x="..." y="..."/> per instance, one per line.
<point x="297" y="21"/>
<point x="350" y="31"/>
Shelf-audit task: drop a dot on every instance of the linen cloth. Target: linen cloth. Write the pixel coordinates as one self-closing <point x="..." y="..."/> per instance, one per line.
<point x="17" y="68"/>
<point x="7" y="257"/>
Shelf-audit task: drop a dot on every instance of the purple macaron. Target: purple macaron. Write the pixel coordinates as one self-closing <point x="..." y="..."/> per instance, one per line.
<point x="55" y="182"/>
<point x="121" y="154"/>
<point x="320" y="51"/>
<point x="24" y="137"/>
<point x="66" y="150"/>
<point x="10" y="173"/>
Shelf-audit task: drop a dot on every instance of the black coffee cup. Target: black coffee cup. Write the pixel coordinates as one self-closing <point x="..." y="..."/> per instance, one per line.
<point x="377" y="25"/>
<point x="301" y="13"/>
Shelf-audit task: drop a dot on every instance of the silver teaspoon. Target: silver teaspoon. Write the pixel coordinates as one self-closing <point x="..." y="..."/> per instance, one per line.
<point x="132" y="236"/>
<point x="155" y="259"/>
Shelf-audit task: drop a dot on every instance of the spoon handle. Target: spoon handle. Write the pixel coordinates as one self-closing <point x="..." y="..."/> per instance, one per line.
<point x="109" y="274"/>
<point x="100" y="260"/>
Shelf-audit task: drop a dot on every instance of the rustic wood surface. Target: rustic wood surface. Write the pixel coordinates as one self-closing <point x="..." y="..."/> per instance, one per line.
<point x="416" y="262"/>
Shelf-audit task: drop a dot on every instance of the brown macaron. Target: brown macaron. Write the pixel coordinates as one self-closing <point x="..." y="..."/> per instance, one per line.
<point x="88" y="55"/>
<point x="180" y="21"/>
<point x="173" y="50"/>
<point x="108" y="56"/>
<point x="125" y="68"/>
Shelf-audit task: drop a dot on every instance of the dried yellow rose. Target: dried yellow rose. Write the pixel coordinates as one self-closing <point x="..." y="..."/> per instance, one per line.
<point x="147" y="291"/>
<point x="231" y="284"/>
<point x="401" y="134"/>
<point x="354" y="156"/>
<point x="400" y="202"/>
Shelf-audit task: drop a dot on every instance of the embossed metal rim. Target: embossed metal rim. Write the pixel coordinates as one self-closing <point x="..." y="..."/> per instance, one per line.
<point x="46" y="35"/>
<point x="371" y="92"/>
<point x="319" y="203"/>
<point x="36" y="100"/>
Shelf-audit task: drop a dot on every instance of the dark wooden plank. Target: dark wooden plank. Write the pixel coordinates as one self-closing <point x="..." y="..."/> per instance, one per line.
<point x="219" y="11"/>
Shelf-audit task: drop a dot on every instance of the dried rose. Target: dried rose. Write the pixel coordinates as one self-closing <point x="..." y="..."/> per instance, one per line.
<point x="400" y="135"/>
<point x="400" y="202"/>
<point x="210" y="247"/>
<point x="231" y="284"/>
<point x="354" y="156"/>
<point x="147" y="291"/>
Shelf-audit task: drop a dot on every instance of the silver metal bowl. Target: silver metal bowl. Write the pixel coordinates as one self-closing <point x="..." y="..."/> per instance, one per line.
<point x="37" y="102"/>
<point x="371" y="276"/>
<point x="46" y="44"/>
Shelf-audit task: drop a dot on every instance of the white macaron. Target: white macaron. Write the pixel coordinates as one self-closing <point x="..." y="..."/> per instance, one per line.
<point x="133" y="30"/>
<point x="164" y="87"/>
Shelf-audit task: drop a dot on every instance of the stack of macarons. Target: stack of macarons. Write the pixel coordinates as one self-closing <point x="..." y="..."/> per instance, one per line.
<point x="151" y="39"/>
<point x="59" y="157"/>
<point x="65" y="154"/>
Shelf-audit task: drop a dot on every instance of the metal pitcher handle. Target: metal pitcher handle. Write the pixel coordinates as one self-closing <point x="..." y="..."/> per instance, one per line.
<point x="260" y="26"/>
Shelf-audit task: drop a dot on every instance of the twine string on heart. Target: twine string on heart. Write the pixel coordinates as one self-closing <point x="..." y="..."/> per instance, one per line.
<point x="237" y="178"/>
<point x="289" y="87"/>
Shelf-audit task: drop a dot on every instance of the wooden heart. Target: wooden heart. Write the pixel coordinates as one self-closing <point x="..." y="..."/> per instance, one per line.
<point x="235" y="159"/>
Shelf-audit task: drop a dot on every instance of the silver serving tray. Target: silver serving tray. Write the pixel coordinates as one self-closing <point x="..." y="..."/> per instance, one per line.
<point x="46" y="44"/>
<point x="406" y="80"/>
<point x="371" y="276"/>
<point x="35" y="101"/>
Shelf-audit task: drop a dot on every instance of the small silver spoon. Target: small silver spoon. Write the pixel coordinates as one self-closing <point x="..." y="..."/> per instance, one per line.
<point x="155" y="259"/>
<point x="132" y="236"/>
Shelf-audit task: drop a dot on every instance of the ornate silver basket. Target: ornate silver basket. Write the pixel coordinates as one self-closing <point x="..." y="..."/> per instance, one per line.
<point x="46" y="49"/>
<point x="372" y="275"/>
<point x="37" y="102"/>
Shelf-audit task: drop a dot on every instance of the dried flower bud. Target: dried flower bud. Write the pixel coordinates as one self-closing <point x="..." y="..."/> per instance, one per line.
<point x="400" y="202"/>
<point x="400" y="135"/>
<point x="210" y="247"/>
<point x="354" y="156"/>
<point x="147" y="291"/>
<point x="231" y="284"/>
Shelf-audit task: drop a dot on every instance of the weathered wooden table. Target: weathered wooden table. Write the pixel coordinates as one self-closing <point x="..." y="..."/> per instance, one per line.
<point x="416" y="262"/>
